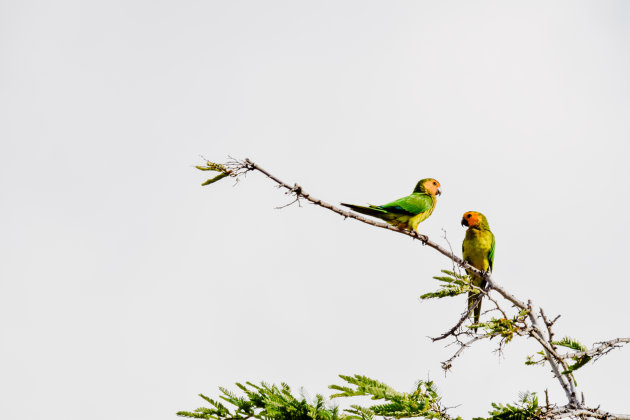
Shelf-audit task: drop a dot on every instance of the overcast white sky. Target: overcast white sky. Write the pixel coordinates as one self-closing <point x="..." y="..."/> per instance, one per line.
<point x="126" y="288"/>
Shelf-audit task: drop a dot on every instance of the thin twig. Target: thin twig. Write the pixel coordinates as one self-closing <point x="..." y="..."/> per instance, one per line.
<point x="449" y="363"/>
<point x="548" y="324"/>
<point x="450" y="249"/>
<point x="465" y="315"/>
<point x="491" y="299"/>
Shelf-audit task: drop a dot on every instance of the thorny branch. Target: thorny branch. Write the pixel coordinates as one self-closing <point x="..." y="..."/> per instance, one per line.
<point x="496" y="304"/>
<point x="548" y="324"/>
<point x="595" y="413"/>
<point x="465" y="315"/>
<point x="596" y="352"/>
<point x="544" y="337"/>
<point x="449" y="363"/>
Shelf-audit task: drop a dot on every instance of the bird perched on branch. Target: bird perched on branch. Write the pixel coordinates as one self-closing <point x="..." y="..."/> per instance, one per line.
<point x="406" y="212"/>
<point x="478" y="251"/>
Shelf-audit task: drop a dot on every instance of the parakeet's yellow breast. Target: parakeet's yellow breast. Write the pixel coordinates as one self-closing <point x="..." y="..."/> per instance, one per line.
<point x="476" y="247"/>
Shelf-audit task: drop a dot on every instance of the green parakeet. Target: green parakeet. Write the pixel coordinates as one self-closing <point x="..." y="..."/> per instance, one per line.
<point x="478" y="251"/>
<point x="406" y="212"/>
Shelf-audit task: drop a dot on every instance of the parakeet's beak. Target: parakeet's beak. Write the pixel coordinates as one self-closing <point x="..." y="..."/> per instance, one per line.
<point x="464" y="222"/>
<point x="438" y="192"/>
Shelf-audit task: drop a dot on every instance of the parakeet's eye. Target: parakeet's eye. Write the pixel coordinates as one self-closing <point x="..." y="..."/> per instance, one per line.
<point x="434" y="183"/>
<point x="468" y="216"/>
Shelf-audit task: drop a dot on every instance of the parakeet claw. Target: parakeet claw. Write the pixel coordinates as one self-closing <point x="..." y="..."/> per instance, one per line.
<point x="420" y="236"/>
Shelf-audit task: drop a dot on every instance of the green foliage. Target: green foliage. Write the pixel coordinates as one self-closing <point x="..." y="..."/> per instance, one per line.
<point x="503" y="327"/>
<point x="358" y="412"/>
<point x="267" y="402"/>
<point x="530" y="359"/>
<point x="424" y="401"/>
<point x="525" y="409"/>
<point x="573" y="344"/>
<point x="579" y="362"/>
<point x="278" y="403"/>
<point x="217" y="167"/>
<point x="499" y="326"/>
<point x="455" y="284"/>
<point x="570" y="343"/>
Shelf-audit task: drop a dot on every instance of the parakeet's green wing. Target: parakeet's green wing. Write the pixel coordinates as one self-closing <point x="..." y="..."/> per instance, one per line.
<point x="412" y="204"/>
<point x="491" y="253"/>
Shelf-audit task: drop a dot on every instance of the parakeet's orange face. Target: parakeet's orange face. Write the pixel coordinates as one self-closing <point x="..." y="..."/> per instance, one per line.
<point x="432" y="186"/>
<point x="471" y="218"/>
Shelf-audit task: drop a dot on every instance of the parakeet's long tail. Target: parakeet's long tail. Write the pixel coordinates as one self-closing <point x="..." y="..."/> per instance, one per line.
<point x="370" y="211"/>
<point x="472" y="297"/>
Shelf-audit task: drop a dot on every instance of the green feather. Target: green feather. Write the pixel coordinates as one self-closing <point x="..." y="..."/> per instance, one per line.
<point x="406" y="212"/>
<point x="413" y="204"/>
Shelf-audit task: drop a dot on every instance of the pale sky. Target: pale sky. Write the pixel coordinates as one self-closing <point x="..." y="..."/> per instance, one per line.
<point x="126" y="288"/>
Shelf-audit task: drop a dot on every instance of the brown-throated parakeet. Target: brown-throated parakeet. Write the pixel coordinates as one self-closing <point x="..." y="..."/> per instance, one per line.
<point x="478" y="251"/>
<point x="406" y="212"/>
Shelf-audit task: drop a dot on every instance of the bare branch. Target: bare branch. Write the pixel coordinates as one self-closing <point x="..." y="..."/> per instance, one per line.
<point x="449" y="363"/>
<point x="595" y="413"/>
<point x="548" y="324"/>
<point x="599" y="351"/>
<point x="497" y="305"/>
<point x="450" y="248"/>
<point x="462" y="319"/>
<point x="552" y="357"/>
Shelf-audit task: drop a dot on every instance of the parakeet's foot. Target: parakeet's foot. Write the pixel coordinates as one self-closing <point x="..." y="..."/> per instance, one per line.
<point x="420" y="236"/>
